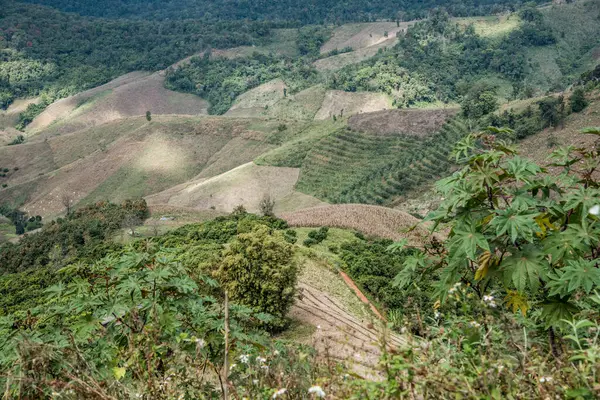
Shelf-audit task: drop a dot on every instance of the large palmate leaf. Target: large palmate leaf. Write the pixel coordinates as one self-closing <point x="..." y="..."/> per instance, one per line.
<point x="525" y="268"/>
<point x="582" y="197"/>
<point x="522" y="170"/>
<point x="411" y="265"/>
<point x="561" y="246"/>
<point x="517" y="225"/>
<point x="576" y="275"/>
<point x="554" y="311"/>
<point x="466" y="243"/>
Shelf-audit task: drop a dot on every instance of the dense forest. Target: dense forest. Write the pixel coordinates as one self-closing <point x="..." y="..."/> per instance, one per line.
<point x="42" y="49"/>
<point x="307" y="12"/>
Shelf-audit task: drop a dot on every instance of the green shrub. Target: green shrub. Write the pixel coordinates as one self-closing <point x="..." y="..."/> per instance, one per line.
<point x="291" y="236"/>
<point x="258" y="270"/>
<point x="319" y="235"/>
<point x="578" y="101"/>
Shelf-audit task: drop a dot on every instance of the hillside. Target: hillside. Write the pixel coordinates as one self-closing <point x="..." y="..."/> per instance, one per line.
<point x="329" y="199"/>
<point x="126" y="158"/>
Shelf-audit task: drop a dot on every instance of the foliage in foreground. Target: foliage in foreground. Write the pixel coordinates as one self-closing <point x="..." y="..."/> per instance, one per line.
<point x="518" y="233"/>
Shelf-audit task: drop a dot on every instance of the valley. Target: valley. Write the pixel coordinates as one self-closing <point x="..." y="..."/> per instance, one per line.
<point x="356" y="196"/>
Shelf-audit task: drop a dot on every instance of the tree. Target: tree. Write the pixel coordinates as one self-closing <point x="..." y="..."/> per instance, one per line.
<point x="480" y="100"/>
<point x="148" y="116"/>
<point x="130" y="222"/>
<point x="67" y="202"/>
<point x="258" y="270"/>
<point x="267" y="204"/>
<point x="578" y="101"/>
<point x="552" y="110"/>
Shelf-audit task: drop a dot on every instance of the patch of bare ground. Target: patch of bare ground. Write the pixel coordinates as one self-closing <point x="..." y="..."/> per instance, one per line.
<point x="358" y="36"/>
<point x="62" y="108"/>
<point x="125" y="159"/>
<point x="245" y="185"/>
<point x="371" y="220"/>
<point x="339" y="61"/>
<point x="128" y="96"/>
<point x="415" y="122"/>
<point x="339" y="103"/>
<point x="257" y="100"/>
<point x="538" y="147"/>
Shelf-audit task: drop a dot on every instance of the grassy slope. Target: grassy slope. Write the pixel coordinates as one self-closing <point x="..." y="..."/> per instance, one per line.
<point x="128" y="158"/>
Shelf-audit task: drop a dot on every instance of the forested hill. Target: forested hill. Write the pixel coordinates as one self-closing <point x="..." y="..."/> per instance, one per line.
<point x="44" y="49"/>
<point x="306" y="12"/>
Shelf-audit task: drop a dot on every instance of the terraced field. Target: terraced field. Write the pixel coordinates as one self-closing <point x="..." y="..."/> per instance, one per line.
<point x="354" y="167"/>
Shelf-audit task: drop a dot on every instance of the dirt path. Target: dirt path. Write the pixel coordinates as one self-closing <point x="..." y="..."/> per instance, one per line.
<point x="340" y="335"/>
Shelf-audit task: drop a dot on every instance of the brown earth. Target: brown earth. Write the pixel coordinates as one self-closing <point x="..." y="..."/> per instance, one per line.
<point x="416" y="122"/>
<point x="338" y="102"/>
<point x="130" y="95"/>
<point x="358" y="36"/>
<point x="245" y="185"/>
<point x="125" y="159"/>
<point x="371" y="220"/>
<point x="339" y="61"/>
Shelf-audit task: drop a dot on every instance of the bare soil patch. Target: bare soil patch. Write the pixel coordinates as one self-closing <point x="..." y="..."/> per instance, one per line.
<point x="358" y="36"/>
<point x="128" y="96"/>
<point x="339" y="61"/>
<point x="245" y="185"/>
<point x="338" y="102"/>
<point x="415" y="122"/>
<point x="371" y="220"/>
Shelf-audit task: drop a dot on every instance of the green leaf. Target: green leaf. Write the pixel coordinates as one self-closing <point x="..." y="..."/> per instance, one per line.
<point x="516" y="225"/>
<point x="119" y="372"/>
<point x="555" y="311"/>
<point x="522" y="170"/>
<point x="411" y="265"/>
<point x="582" y="197"/>
<point x="525" y="268"/>
<point x="576" y="275"/>
<point x="591" y="131"/>
<point x="466" y="242"/>
<point x="397" y="247"/>
<point x="561" y="246"/>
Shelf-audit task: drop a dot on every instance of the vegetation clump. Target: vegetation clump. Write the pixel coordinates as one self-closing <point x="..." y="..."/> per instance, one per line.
<point x="258" y="270"/>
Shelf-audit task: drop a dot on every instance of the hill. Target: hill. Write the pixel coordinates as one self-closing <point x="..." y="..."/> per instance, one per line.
<point x="128" y="96"/>
<point x="126" y="158"/>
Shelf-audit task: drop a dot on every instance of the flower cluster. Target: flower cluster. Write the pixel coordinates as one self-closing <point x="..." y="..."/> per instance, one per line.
<point x="489" y="301"/>
<point x="454" y="288"/>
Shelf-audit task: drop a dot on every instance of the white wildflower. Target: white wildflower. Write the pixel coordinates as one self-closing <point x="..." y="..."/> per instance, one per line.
<point x="276" y="352"/>
<point x="546" y="379"/>
<point x="436" y="315"/>
<point x="595" y="210"/>
<point x="244" y="358"/>
<point x="489" y="300"/>
<point x="255" y="381"/>
<point x="200" y="343"/>
<point x="316" y="390"/>
<point x="475" y="324"/>
<point x="261" y="360"/>
<point x="278" y="393"/>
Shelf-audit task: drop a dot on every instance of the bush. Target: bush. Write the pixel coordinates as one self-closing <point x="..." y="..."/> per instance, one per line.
<point x="267" y="204"/>
<point x="258" y="270"/>
<point x="291" y="236"/>
<point x="578" y="101"/>
<point x="319" y="235"/>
